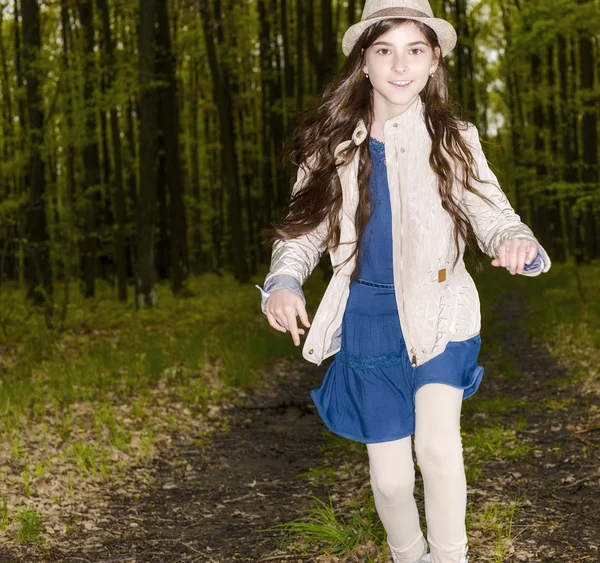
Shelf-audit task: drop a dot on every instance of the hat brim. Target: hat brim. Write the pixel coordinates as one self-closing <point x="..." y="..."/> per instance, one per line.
<point x="444" y="29"/>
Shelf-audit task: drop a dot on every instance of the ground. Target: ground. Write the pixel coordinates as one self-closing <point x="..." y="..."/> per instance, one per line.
<point x="213" y="501"/>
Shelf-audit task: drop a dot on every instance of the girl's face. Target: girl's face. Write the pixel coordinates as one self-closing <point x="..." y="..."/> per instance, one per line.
<point x="399" y="56"/>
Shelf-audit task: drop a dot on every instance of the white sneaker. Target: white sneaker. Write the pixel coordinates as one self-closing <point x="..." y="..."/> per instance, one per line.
<point x="427" y="557"/>
<point x="424" y="554"/>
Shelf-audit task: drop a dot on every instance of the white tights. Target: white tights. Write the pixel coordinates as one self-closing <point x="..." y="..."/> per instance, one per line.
<point x="438" y="446"/>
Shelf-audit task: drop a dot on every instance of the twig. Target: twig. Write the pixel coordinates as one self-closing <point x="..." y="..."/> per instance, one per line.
<point x="586" y="478"/>
<point x="275" y="557"/>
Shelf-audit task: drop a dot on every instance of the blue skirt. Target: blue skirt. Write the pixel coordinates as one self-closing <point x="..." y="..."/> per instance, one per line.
<point x="368" y="393"/>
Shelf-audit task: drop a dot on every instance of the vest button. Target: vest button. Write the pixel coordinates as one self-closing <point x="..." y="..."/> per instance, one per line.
<point x="311" y="351"/>
<point x="402" y="149"/>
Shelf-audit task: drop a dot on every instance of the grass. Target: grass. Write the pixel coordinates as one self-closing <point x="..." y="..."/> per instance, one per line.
<point x="495" y="521"/>
<point x="108" y="350"/>
<point x="92" y="386"/>
<point x="102" y="393"/>
<point x="333" y="531"/>
<point x="4" y="521"/>
<point x="563" y="312"/>
<point x="31" y="526"/>
<point x="494" y="442"/>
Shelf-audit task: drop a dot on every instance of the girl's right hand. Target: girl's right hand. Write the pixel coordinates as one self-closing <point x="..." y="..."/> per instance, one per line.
<point x="281" y="308"/>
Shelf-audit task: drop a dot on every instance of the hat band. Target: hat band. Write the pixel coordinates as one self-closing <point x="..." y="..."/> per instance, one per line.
<point x="395" y="12"/>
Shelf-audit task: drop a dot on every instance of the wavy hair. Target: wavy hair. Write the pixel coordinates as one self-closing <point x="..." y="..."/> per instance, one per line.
<point x="332" y="120"/>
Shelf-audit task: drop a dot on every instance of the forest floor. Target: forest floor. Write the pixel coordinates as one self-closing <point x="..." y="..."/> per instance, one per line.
<point x="532" y="454"/>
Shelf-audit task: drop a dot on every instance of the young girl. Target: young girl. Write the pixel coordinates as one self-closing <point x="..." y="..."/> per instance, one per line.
<point x="395" y="187"/>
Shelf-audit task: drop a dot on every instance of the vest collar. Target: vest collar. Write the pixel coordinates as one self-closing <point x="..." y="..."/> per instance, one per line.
<point x="405" y="120"/>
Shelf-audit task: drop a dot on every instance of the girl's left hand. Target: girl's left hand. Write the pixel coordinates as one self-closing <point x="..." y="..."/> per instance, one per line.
<point x="515" y="253"/>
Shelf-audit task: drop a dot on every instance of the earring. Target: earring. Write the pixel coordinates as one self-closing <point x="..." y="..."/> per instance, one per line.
<point x="366" y="76"/>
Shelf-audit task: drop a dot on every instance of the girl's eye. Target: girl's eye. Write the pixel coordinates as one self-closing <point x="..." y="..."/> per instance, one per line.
<point x="383" y="49"/>
<point x="416" y="49"/>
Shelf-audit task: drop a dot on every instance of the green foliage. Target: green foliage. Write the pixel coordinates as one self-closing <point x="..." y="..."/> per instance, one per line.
<point x="31" y="526"/>
<point x="4" y="514"/>
<point x="336" y="533"/>
<point x="108" y="350"/>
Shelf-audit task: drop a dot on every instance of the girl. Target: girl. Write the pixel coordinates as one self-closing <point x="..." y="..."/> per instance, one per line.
<point x="395" y="187"/>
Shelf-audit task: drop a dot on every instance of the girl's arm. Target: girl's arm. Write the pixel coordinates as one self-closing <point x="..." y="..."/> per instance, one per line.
<point x="493" y="224"/>
<point x="292" y="261"/>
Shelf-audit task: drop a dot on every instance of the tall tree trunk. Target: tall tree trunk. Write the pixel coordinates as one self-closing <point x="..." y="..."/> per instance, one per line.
<point x="131" y="198"/>
<point x="119" y="189"/>
<point x="37" y="264"/>
<point x="70" y="215"/>
<point x="169" y="111"/>
<point x="464" y="61"/>
<point x="569" y="139"/>
<point x="589" y="140"/>
<point x="197" y="259"/>
<point x="351" y="12"/>
<point x="146" y="210"/>
<point x="222" y="97"/>
<point x="328" y="59"/>
<point x="89" y="245"/>
<point x="288" y="73"/>
<point x="300" y="15"/>
<point x="8" y="248"/>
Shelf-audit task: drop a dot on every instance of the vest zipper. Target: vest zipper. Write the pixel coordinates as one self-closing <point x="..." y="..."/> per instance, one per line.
<point x="413" y="361"/>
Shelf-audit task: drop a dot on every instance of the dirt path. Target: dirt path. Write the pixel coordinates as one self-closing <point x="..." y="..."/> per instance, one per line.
<point x="560" y="518"/>
<point x="209" y="503"/>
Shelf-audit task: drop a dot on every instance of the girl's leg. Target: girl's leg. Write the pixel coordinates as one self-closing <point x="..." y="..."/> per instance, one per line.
<point x="392" y="473"/>
<point x="438" y="445"/>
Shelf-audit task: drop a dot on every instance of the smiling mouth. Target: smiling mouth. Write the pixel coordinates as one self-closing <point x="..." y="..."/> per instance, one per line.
<point x="401" y="83"/>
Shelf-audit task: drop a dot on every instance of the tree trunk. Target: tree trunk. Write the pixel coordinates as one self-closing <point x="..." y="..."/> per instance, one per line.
<point x="169" y="108"/>
<point x="229" y="170"/>
<point x="37" y="263"/>
<point x="146" y="209"/>
<point x="119" y="189"/>
<point x="589" y="141"/>
<point x="300" y="55"/>
<point x="91" y="163"/>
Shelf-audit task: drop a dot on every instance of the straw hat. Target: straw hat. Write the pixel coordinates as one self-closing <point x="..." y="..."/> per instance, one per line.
<point x="420" y="10"/>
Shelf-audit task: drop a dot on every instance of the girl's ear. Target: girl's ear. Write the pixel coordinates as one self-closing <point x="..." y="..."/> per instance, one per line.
<point x="436" y="59"/>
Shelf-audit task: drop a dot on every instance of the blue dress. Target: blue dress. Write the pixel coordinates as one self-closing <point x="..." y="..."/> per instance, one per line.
<point x="368" y="393"/>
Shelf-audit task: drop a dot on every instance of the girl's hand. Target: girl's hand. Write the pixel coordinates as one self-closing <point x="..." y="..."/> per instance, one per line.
<point x="281" y="307"/>
<point x="515" y="253"/>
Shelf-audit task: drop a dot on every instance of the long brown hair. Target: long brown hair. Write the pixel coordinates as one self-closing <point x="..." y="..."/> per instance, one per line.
<point x="332" y="120"/>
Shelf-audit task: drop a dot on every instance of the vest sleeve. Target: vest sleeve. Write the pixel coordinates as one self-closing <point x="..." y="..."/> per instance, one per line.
<point x="298" y="257"/>
<point x="494" y="223"/>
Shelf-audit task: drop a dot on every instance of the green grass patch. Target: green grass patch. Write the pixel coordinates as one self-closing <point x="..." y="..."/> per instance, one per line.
<point x="108" y="351"/>
<point x="495" y="405"/>
<point x="563" y="311"/>
<point x="495" y="521"/>
<point x="494" y="442"/>
<point x="4" y="521"/>
<point x="31" y="526"/>
<point x="90" y="460"/>
<point x="333" y="531"/>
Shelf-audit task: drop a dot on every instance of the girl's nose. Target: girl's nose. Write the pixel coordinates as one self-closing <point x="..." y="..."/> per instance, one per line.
<point x="399" y="65"/>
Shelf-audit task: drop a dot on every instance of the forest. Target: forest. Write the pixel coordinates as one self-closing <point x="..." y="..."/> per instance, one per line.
<point x="135" y="153"/>
<point x="142" y="146"/>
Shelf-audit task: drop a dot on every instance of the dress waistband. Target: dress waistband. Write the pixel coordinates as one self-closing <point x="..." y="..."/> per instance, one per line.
<point x="375" y="284"/>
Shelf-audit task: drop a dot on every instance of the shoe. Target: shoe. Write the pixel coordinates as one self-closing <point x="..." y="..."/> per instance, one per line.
<point x="426" y="558"/>
<point x="395" y="557"/>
